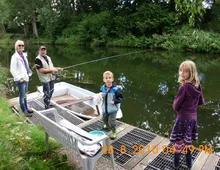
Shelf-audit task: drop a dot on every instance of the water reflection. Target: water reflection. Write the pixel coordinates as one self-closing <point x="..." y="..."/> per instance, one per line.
<point x="163" y="88"/>
<point x="149" y="82"/>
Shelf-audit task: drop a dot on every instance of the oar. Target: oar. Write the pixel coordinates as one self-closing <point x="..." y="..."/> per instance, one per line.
<point x="97" y="108"/>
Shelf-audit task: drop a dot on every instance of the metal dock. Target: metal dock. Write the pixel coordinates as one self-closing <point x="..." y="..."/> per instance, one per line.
<point x="134" y="148"/>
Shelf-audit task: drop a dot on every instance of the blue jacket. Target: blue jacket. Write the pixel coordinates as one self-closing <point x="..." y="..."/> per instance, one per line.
<point x="112" y="94"/>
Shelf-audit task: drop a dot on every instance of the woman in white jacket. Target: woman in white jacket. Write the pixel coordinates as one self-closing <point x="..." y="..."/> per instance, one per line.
<point x="20" y="70"/>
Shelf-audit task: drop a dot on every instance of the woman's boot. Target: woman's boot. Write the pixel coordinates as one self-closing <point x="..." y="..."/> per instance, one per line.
<point x="189" y="159"/>
<point x="177" y="160"/>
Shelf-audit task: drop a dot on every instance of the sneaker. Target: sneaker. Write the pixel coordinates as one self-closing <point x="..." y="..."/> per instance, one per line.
<point x="30" y="111"/>
<point x="105" y="127"/>
<point x="28" y="114"/>
<point x="51" y="105"/>
<point x="113" y="135"/>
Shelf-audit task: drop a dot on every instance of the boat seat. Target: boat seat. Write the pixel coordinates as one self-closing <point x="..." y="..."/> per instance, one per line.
<point x="69" y="135"/>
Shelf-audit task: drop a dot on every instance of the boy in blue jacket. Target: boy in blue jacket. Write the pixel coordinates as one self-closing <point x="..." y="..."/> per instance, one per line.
<point x="112" y="97"/>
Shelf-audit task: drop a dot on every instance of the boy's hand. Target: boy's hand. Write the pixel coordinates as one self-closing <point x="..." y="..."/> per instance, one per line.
<point x="100" y="95"/>
<point x="98" y="98"/>
<point x="112" y="102"/>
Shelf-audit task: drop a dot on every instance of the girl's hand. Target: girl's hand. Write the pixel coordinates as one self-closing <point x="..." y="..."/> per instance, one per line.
<point x="112" y="102"/>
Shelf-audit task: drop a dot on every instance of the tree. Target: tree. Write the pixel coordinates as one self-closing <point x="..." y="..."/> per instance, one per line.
<point x="3" y="16"/>
<point x="191" y="8"/>
<point x="55" y="15"/>
<point x="23" y="13"/>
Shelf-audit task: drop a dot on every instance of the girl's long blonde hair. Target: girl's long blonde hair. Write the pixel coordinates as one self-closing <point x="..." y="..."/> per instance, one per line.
<point x="193" y="73"/>
<point x="17" y="43"/>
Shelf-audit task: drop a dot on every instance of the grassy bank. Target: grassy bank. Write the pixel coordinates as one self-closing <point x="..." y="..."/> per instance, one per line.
<point x="12" y="38"/>
<point x="22" y="145"/>
<point x="184" y="39"/>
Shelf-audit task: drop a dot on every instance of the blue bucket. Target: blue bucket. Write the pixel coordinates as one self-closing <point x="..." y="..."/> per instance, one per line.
<point x="97" y="133"/>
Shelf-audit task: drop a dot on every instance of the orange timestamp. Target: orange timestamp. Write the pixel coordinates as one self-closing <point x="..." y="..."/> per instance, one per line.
<point x="155" y="149"/>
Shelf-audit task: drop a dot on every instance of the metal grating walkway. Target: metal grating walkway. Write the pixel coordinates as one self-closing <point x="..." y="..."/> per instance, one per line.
<point x="98" y="125"/>
<point x="165" y="161"/>
<point x="128" y="141"/>
<point x="217" y="167"/>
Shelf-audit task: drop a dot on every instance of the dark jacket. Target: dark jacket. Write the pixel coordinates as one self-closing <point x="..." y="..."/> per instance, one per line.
<point x="187" y="101"/>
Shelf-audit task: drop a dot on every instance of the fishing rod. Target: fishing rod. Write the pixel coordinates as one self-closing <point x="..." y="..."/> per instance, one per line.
<point x="92" y="61"/>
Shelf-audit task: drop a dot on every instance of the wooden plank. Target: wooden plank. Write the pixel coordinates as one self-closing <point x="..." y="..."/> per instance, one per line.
<point x="147" y="149"/>
<point x="151" y="156"/>
<point x="121" y="130"/>
<point x="15" y="101"/>
<point x="63" y="97"/>
<point x="211" y="162"/>
<point x="71" y="102"/>
<point x="93" y="120"/>
<point x="200" y="161"/>
<point x="16" y="110"/>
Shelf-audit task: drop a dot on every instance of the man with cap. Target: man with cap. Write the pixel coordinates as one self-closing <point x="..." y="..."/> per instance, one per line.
<point x="45" y="70"/>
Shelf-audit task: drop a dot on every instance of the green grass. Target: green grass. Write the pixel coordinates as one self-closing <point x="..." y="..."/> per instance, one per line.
<point x="22" y="145"/>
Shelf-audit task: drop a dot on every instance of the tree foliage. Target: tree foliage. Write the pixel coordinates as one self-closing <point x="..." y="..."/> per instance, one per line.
<point x="193" y="9"/>
<point x="54" y="18"/>
<point x="212" y="18"/>
<point x="4" y="13"/>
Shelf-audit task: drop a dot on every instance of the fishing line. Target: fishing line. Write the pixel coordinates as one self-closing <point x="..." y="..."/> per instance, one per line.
<point x="92" y="61"/>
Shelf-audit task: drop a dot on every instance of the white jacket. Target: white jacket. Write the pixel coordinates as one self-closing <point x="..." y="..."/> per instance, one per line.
<point x="17" y="67"/>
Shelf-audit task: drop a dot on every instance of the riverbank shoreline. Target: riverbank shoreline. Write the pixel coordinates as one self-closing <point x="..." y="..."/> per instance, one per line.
<point x="184" y="39"/>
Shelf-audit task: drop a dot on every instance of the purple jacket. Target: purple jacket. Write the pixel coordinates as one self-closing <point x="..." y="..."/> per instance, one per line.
<point x="187" y="101"/>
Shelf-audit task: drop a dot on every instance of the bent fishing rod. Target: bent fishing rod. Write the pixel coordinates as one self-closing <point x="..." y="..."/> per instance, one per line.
<point x="92" y="61"/>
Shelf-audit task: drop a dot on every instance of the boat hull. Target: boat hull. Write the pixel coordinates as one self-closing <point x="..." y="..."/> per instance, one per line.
<point x="76" y="99"/>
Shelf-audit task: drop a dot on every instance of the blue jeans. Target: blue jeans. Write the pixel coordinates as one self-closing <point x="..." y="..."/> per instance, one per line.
<point x="23" y="88"/>
<point x="48" y="89"/>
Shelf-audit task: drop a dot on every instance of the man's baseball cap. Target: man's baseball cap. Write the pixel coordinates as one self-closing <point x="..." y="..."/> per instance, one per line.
<point x="43" y="47"/>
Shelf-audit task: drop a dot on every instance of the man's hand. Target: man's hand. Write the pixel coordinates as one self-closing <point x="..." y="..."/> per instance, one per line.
<point x="59" y="69"/>
<point x="112" y="102"/>
<point x="54" y="69"/>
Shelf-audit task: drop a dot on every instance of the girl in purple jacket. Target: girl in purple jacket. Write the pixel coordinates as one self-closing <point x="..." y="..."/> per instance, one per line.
<point x="188" y="99"/>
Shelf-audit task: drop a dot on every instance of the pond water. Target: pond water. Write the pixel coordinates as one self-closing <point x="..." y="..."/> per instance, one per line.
<point x="149" y="80"/>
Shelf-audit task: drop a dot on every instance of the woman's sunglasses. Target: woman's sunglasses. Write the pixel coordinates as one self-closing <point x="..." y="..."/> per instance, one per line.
<point x="20" y="45"/>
